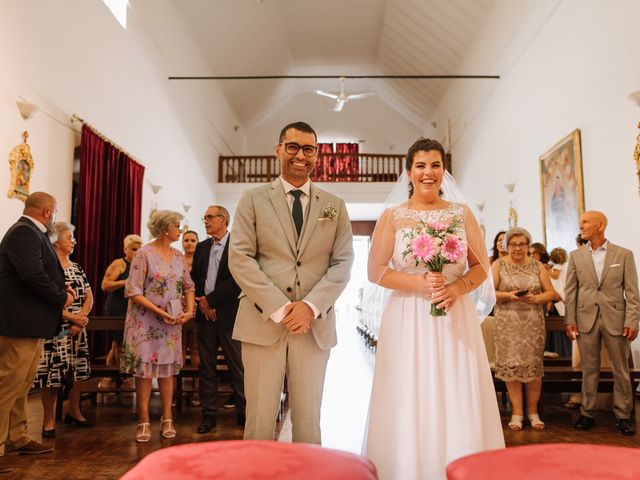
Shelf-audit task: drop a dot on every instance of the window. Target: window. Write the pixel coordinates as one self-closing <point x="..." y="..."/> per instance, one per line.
<point x="119" y="10"/>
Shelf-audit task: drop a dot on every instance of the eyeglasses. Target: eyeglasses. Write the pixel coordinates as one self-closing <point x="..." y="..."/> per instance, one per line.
<point x="517" y="245"/>
<point x="294" y="148"/>
<point x="208" y="218"/>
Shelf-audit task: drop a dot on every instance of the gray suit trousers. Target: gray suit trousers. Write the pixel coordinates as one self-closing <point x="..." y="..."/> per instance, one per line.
<point x="618" y="348"/>
<point x="305" y="365"/>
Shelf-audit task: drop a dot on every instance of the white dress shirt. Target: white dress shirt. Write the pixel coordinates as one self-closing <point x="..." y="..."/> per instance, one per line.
<point x="304" y="198"/>
<point x="598" y="255"/>
<point x="37" y="223"/>
<point x="278" y="315"/>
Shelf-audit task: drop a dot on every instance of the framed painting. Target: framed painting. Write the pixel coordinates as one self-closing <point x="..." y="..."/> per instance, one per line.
<point x="562" y="192"/>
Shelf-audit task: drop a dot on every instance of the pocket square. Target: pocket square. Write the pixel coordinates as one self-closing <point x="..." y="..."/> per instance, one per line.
<point x="615" y="265"/>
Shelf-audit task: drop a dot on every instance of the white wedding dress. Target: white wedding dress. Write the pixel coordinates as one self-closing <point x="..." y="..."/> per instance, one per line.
<point x="433" y="399"/>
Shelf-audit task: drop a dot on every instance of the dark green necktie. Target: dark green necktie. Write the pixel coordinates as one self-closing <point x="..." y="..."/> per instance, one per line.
<point x="296" y="211"/>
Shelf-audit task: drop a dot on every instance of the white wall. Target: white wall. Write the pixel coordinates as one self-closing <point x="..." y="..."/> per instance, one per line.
<point x="382" y="129"/>
<point x="73" y="57"/>
<point x="566" y="65"/>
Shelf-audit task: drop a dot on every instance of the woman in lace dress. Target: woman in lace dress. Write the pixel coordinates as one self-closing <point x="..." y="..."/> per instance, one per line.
<point x="522" y="288"/>
<point x="433" y="399"/>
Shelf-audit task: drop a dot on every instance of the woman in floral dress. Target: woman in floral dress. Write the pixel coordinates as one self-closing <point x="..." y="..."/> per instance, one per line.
<point x="152" y="345"/>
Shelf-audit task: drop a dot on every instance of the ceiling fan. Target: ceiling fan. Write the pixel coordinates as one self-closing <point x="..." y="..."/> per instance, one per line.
<point x="342" y="98"/>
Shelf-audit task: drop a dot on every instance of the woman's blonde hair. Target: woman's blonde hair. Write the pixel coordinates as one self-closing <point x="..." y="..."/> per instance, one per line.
<point x="161" y="220"/>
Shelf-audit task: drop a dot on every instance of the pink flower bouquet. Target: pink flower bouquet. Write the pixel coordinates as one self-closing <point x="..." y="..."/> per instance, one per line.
<point x="433" y="245"/>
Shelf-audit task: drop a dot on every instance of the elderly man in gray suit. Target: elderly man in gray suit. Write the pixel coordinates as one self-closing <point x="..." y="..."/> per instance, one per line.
<point x="601" y="297"/>
<point x="291" y="254"/>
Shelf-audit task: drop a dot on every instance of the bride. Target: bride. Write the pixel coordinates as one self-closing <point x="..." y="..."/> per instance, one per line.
<point x="433" y="399"/>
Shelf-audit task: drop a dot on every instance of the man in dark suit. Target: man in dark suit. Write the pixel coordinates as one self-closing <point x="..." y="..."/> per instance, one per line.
<point x="217" y="296"/>
<point x="32" y="296"/>
<point x="602" y="307"/>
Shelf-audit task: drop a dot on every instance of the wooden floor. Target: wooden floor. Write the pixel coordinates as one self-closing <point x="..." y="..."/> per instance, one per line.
<point x="109" y="449"/>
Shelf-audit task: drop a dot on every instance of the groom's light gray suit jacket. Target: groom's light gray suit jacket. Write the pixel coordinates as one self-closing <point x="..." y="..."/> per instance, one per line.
<point x="271" y="267"/>
<point x="614" y="297"/>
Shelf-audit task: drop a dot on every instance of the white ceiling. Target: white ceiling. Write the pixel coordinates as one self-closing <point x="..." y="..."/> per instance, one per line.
<point x="332" y="37"/>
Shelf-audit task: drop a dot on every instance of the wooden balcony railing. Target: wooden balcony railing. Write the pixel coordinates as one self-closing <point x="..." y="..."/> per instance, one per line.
<point x="335" y="167"/>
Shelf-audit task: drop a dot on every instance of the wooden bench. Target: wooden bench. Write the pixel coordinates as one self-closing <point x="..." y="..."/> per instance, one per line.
<point x="100" y="370"/>
<point x="561" y="377"/>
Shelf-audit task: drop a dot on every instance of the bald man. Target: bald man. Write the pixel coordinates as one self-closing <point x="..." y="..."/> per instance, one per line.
<point x="601" y="298"/>
<point x="32" y="296"/>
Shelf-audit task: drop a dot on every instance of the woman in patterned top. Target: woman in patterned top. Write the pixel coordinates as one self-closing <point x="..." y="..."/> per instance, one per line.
<point x="152" y="346"/>
<point x="68" y="352"/>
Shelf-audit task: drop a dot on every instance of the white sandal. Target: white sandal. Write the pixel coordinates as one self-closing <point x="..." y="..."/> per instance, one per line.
<point x="535" y="421"/>
<point x="143" y="432"/>
<point x="515" y="423"/>
<point x="169" y="431"/>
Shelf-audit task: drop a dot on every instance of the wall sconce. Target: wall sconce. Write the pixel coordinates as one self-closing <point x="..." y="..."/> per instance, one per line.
<point x="155" y="188"/>
<point x="635" y="97"/>
<point x="186" y="207"/>
<point x="27" y="109"/>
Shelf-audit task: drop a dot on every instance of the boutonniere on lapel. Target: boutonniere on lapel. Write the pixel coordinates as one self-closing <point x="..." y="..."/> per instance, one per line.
<point x="329" y="213"/>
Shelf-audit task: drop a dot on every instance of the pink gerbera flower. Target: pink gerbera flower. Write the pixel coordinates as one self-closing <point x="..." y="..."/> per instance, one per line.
<point x="424" y="247"/>
<point x="453" y="248"/>
<point x="439" y="225"/>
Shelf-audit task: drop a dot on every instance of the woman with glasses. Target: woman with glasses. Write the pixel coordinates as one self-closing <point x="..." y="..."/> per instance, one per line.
<point x="522" y="288"/>
<point x="65" y="357"/>
<point x="152" y="346"/>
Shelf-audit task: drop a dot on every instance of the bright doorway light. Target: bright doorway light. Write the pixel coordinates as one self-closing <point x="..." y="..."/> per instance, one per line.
<point x="119" y="10"/>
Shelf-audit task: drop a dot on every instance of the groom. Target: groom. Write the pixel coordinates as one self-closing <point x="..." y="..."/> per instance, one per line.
<point x="291" y="254"/>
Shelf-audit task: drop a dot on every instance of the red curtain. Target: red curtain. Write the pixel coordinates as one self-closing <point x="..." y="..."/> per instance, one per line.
<point x="324" y="165"/>
<point x="346" y="164"/>
<point x="109" y="207"/>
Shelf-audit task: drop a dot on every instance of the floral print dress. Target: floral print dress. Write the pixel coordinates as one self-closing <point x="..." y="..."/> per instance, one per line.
<point x="153" y="348"/>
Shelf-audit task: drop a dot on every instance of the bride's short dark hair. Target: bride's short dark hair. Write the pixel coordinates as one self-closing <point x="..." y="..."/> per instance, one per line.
<point x="422" y="145"/>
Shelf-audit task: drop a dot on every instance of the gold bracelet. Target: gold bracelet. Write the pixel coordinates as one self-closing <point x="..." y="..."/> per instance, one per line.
<point x="466" y="287"/>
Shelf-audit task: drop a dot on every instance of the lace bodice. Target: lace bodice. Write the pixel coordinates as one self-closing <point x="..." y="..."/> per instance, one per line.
<point x="406" y="219"/>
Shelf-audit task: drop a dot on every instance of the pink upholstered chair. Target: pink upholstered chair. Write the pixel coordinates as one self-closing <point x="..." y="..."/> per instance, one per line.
<point x="251" y="459"/>
<point x="550" y="461"/>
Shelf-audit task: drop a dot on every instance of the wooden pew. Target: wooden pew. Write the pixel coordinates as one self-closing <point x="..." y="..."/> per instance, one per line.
<point x="565" y="378"/>
<point x="99" y="369"/>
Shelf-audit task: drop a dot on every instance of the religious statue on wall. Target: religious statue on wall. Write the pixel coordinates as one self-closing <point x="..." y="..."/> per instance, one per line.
<point x="21" y="165"/>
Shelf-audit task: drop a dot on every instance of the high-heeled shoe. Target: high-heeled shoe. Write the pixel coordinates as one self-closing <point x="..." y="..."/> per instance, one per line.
<point x="70" y="419"/>
<point x="167" y="429"/>
<point x="48" y="433"/>
<point x="143" y="432"/>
